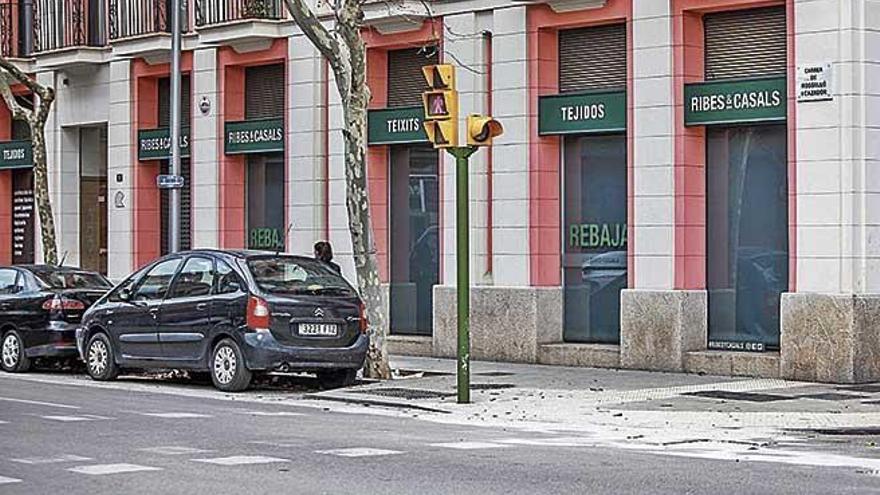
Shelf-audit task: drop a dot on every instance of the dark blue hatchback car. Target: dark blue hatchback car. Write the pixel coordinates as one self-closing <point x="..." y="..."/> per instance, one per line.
<point x="231" y="313"/>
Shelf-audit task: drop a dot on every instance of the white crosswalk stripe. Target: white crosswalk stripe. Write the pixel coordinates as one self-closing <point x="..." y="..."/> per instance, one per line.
<point x="104" y="469"/>
<point x="173" y="450"/>
<point x="177" y="415"/>
<point x="241" y="460"/>
<point x="469" y="445"/>
<point x="74" y="419"/>
<point x="358" y="452"/>
<point x="52" y="460"/>
<point x="4" y="480"/>
<point x="278" y="413"/>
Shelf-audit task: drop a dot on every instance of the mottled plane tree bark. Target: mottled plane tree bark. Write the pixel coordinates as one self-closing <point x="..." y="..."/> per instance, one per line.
<point x="344" y="49"/>
<point x="36" y="118"/>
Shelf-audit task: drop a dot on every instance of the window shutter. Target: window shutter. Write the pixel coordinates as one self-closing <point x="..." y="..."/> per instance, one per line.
<point x="165" y="101"/>
<point x="185" y="208"/>
<point x="745" y="43"/>
<point x="592" y="58"/>
<point x="264" y="92"/>
<point x="405" y="80"/>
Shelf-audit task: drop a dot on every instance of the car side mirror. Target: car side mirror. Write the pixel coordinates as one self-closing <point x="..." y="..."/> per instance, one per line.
<point x="124" y="295"/>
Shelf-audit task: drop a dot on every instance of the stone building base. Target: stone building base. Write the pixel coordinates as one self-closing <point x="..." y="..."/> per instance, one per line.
<point x="830" y="338"/>
<point x="658" y="328"/>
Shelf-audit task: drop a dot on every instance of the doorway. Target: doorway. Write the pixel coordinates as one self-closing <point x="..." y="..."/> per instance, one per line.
<point x="265" y="202"/>
<point x="93" y="198"/>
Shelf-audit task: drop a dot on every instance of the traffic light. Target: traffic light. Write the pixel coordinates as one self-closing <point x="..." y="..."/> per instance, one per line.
<point x="441" y="105"/>
<point x="481" y="130"/>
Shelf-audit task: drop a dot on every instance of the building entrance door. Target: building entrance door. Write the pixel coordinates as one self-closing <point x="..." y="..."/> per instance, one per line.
<point x="265" y="202"/>
<point x="415" y="238"/>
<point x="746" y="235"/>
<point x="93" y="199"/>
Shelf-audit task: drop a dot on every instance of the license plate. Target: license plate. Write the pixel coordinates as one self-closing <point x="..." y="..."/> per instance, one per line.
<point x="318" y="329"/>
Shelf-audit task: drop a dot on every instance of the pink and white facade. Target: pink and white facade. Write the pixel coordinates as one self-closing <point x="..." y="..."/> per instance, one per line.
<point x="723" y="210"/>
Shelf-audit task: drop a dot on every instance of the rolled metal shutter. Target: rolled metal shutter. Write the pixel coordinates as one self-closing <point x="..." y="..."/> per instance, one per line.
<point x="264" y="92"/>
<point x="405" y="80"/>
<point x="165" y="101"/>
<point x="745" y="43"/>
<point x="592" y="58"/>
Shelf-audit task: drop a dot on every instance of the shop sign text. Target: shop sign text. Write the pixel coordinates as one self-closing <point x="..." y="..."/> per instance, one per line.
<point x="726" y="345"/>
<point x="396" y="126"/>
<point x="254" y="136"/>
<point x="597" y="111"/>
<point x="740" y="101"/>
<point x="155" y="144"/>
<point x="597" y="235"/>
<point x="814" y="83"/>
<point x="265" y="238"/>
<point x="16" y="154"/>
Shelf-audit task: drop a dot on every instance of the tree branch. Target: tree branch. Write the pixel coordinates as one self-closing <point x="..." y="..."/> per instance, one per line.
<point x="43" y="92"/>
<point x="18" y="111"/>
<point x="321" y="38"/>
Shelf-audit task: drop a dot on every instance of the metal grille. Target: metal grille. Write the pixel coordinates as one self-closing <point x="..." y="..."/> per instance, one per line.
<point x="222" y="11"/>
<point x="165" y="101"/>
<point x="67" y="23"/>
<point x="130" y="18"/>
<point x="592" y="58"/>
<point x="745" y="43"/>
<point x="264" y="92"/>
<point x="405" y="80"/>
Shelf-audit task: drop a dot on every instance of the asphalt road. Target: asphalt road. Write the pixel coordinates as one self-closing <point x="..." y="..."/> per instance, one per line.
<point x="179" y="439"/>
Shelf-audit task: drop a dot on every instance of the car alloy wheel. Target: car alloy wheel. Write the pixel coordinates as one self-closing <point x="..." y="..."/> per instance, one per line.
<point x="11" y="351"/>
<point x="225" y="364"/>
<point x="98" y="357"/>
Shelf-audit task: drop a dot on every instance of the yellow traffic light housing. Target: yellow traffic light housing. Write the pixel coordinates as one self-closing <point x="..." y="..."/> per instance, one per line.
<point x="443" y="133"/>
<point x="482" y="129"/>
<point x="440" y="105"/>
<point x="440" y="76"/>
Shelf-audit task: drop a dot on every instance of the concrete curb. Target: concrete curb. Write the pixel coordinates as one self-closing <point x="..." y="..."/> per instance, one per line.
<point x="366" y="401"/>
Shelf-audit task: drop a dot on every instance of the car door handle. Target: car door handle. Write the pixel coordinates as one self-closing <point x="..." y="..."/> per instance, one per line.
<point x="154" y="312"/>
<point x="201" y="306"/>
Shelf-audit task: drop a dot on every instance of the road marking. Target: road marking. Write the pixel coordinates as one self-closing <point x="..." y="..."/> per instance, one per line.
<point x="267" y="413"/>
<point x="241" y="460"/>
<point x="358" y="452"/>
<point x="551" y="442"/>
<point x="3" y="422"/>
<point x="38" y="403"/>
<point x="52" y="460"/>
<point x="171" y="450"/>
<point x="4" y="480"/>
<point x="469" y="445"/>
<point x="102" y="469"/>
<point x="73" y="419"/>
<point x="177" y="415"/>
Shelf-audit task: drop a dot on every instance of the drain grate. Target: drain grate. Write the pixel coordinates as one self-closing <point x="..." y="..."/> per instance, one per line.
<point x="845" y="431"/>
<point x="491" y="386"/>
<point x="494" y="373"/>
<point x="405" y="393"/>
<point x="832" y="396"/>
<point x="869" y="388"/>
<point x="425" y="374"/>
<point x="740" y="396"/>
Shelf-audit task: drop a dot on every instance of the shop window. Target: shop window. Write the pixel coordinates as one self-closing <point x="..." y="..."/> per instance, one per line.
<point x="594" y="223"/>
<point x="265" y="202"/>
<point x="747" y="235"/>
<point x="415" y="238"/>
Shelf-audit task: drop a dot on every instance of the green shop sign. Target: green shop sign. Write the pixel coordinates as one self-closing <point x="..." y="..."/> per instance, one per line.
<point x="396" y="126"/>
<point x="597" y="235"/>
<point x="734" y="102"/>
<point x="16" y="154"/>
<point x="254" y="136"/>
<point x="155" y="144"/>
<point x="595" y="111"/>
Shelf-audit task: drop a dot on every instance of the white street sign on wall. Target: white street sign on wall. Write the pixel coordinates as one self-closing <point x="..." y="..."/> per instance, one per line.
<point x="814" y="82"/>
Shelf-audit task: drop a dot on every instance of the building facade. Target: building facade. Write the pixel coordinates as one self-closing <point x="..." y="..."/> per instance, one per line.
<point x="682" y="185"/>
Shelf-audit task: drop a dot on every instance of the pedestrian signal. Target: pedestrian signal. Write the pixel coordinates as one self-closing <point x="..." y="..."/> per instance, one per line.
<point x="443" y="133"/>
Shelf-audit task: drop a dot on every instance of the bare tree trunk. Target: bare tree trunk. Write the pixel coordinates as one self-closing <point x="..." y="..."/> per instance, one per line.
<point x="347" y="55"/>
<point x="36" y="119"/>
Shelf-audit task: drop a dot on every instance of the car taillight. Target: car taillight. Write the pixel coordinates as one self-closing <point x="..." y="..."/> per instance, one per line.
<point x="257" y="313"/>
<point x="63" y="304"/>
<point x="364" y="322"/>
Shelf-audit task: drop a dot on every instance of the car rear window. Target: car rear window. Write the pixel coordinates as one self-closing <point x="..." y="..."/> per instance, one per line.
<point x="280" y="275"/>
<point x="73" y="280"/>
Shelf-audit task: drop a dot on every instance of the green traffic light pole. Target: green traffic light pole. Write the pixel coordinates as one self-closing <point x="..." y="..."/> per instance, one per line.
<point x="462" y="252"/>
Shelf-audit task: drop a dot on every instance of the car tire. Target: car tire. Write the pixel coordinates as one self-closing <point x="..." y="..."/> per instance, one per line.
<point x="337" y="378"/>
<point x="12" y="356"/>
<point x="100" y="360"/>
<point x="228" y="370"/>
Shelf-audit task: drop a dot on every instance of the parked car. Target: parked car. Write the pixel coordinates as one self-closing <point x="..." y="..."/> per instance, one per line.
<point x="232" y="313"/>
<point x="40" y="309"/>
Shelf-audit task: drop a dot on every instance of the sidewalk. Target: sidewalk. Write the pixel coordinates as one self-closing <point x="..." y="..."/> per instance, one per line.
<point x="659" y="408"/>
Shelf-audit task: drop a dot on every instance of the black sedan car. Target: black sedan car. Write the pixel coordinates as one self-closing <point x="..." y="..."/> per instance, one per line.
<point x="40" y="310"/>
<point x="231" y="313"/>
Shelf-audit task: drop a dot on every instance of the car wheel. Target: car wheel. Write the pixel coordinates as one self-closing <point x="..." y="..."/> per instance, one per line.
<point x="337" y="378"/>
<point x="12" y="356"/>
<point x="100" y="362"/>
<point x="228" y="370"/>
